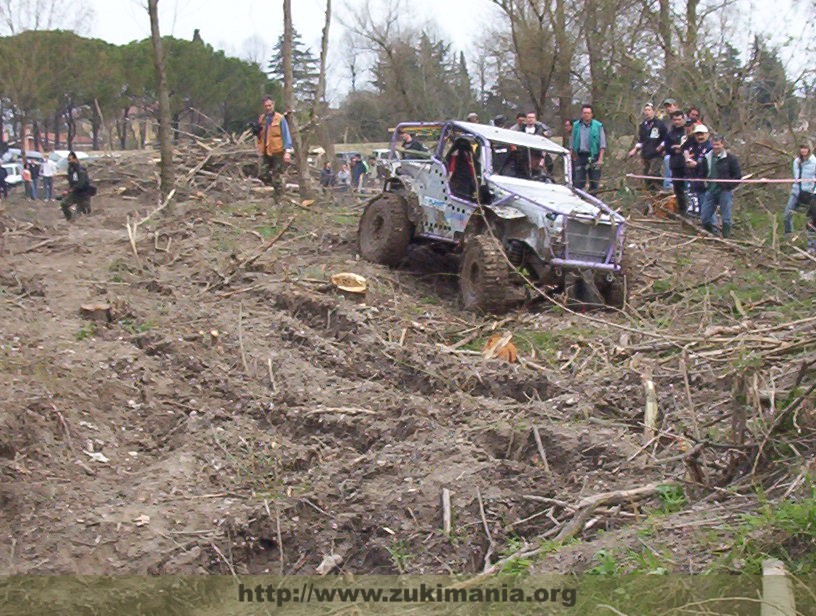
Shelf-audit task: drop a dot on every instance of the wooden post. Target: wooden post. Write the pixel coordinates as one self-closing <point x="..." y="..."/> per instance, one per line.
<point x="777" y="594"/>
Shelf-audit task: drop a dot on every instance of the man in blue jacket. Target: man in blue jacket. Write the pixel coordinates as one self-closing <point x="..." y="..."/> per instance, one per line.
<point x="587" y="150"/>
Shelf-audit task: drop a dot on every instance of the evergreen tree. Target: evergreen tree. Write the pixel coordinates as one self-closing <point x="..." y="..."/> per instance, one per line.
<point x="305" y="69"/>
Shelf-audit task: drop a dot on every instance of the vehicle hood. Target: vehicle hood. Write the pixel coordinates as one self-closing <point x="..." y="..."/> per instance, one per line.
<point x="554" y="197"/>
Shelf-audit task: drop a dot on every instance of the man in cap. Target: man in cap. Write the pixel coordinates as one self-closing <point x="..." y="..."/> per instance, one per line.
<point x="696" y="149"/>
<point x="473" y="117"/>
<point x="651" y="134"/>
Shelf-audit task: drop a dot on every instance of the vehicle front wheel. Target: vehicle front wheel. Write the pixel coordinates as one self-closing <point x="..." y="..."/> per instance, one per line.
<point x="385" y="231"/>
<point x="484" y="275"/>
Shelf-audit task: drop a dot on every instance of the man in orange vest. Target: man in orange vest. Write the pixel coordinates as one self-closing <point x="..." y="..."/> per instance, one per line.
<point x="274" y="145"/>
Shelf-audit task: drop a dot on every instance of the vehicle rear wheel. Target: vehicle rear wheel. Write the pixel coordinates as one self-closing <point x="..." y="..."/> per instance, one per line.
<point x="385" y="231"/>
<point x="484" y="275"/>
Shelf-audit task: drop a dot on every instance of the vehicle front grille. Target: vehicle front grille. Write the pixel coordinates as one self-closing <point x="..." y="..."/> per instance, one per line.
<point x="587" y="241"/>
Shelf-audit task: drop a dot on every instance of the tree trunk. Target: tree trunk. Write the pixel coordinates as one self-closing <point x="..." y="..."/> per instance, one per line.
<point x="122" y="128"/>
<point x="56" y="130"/>
<point x="46" y="140"/>
<point x="304" y="179"/>
<point x="664" y="29"/>
<point x="165" y="137"/>
<point x="95" y="123"/>
<point x="320" y="108"/>
<point x="69" y="120"/>
<point x="37" y="141"/>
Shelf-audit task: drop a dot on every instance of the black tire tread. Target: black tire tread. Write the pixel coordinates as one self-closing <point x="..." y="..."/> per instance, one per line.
<point x="495" y="274"/>
<point x="393" y="243"/>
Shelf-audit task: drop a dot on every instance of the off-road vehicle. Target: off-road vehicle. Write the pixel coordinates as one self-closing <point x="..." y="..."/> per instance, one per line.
<point x="473" y="193"/>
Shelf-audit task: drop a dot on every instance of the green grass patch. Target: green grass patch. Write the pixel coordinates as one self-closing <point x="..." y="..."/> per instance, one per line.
<point x="786" y="531"/>
<point x="86" y="331"/>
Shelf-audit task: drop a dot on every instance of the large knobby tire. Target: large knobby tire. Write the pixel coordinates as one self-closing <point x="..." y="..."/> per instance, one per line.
<point x="484" y="275"/>
<point x="385" y="231"/>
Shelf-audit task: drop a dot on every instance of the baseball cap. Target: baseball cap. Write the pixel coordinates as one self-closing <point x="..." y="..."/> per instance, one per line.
<point x="669" y="101"/>
<point x="700" y="128"/>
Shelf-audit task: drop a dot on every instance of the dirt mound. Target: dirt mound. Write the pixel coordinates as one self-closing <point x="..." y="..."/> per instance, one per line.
<point x="237" y="412"/>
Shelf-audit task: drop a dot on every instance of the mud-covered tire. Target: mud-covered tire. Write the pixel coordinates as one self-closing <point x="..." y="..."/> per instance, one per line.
<point x="385" y="231"/>
<point x="484" y="275"/>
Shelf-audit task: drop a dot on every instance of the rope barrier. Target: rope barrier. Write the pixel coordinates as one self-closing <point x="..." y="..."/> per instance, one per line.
<point x="746" y="181"/>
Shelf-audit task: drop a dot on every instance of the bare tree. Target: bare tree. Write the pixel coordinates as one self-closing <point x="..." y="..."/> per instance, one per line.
<point x="19" y="15"/>
<point x="319" y="107"/>
<point x="304" y="179"/>
<point x="165" y="134"/>
<point x="254" y="49"/>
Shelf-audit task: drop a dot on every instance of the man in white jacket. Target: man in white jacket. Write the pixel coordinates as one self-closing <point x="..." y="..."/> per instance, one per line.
<point x="801" y="195"/>
<point x="47" y="173"/>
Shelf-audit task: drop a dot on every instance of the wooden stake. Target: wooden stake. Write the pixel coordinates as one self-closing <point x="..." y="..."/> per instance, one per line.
<point x="777" y="594"/>
<point x="446" y="511"/>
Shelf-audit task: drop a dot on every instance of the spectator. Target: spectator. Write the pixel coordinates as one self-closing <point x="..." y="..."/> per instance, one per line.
<point x="274" y="145"/>
<point x="326" y="175"/>
<point x="499" y="121"/>
<point x="473" y="117"/>
<point x="650" y="137"/>
<point x="520" y="121"/>
<point x="3" y="186"/>
<point x="34" y="167"/>
<point x="693" y="116"/>
<point x="358" y="172"/>
<point x="674" y="144"/>
<point x="49" y="170"/>
<point x="27" y="180"/>
<point x="698" y="147"/>
<point x="587" y="150"/>
<point x="344" y="178"/>
<point x="719" y="164"/>
<point x="411" y="144"/>
<point x="804" y="168"/>
<point x="537" y="158"/>
<point x="669" y="107"/>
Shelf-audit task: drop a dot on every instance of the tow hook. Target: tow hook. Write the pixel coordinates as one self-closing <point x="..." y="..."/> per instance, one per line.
<point x="610" y="277"/>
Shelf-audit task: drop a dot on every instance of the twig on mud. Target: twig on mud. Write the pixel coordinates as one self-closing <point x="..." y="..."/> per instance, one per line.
<point x="132" y="228"/>
<point x="587" y="505"/>
<point x="316" y="508"/>
<point x="272" y="383"/>
<point x="277" y="531"/>
<point x="241" y="338"/>
<point x="612" y="609"/>
<point x="39" y="245"/>
<point x="346" y="410"/>
<point x="224" y="558"/>
<point x="491" y="543"/>
<point x="541" y="451"/>
<point x="226" y="278"/>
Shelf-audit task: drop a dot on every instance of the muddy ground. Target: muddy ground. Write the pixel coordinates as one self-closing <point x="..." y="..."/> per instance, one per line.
<point x="248" y="417"/>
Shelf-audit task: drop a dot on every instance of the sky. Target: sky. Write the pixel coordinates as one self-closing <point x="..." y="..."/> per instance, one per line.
<point x="246" y="27"/>
<point x="230" y="24"/>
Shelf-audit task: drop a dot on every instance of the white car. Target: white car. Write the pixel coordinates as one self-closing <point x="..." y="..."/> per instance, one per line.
<point x="14" y="174"/>
<point x="61" y="158"/>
